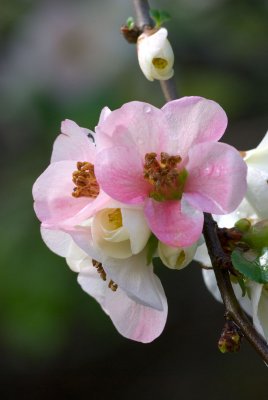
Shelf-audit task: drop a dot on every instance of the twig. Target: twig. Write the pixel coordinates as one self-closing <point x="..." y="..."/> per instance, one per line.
<point x="220" y="261"/>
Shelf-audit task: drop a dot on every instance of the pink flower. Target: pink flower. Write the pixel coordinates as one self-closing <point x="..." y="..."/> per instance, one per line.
<point x="67" y="192"/>
<point x="169" y="160"/>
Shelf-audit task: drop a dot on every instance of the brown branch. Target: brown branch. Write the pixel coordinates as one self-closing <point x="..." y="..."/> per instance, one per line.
<point x="220" y="261"/>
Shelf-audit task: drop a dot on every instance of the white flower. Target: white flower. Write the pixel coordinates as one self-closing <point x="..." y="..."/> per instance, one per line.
<point x="254" y="207"/>
<point x="155" y="54"/>
<point x="176" y="257"/>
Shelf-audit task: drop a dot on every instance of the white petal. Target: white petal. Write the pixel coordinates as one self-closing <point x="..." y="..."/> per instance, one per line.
<point x="263" y="311"/>
<point x="256" y="291"/>
<point x="257" y="193"/>
<point x="136" y="225"/>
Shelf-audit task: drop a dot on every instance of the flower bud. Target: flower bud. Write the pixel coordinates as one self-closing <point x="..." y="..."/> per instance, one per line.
<point x="257" y="236"/>
<point x="155" y="54"/>
<point x="176" y="257"/>
<point x="230" y="338"/>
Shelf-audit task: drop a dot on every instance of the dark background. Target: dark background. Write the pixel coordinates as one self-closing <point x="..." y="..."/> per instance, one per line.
<point x="66" y="59"/>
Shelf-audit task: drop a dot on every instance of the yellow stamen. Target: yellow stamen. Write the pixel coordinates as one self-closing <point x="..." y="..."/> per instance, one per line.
<point x="159" y="63"/>
<point x="85" y="181"/>
<point x="115" y="218"/>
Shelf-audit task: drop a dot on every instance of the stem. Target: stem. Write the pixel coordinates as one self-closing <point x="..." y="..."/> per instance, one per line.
<point x="233" y="309"/>
<point x="142" y="10"/>
<point x="219" y="259"/>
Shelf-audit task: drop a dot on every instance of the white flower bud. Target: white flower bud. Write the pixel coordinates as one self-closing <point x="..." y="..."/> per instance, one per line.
<point x="176" y="257"/>
<point x="120" y="232"/>
<point x="155" y="54"/>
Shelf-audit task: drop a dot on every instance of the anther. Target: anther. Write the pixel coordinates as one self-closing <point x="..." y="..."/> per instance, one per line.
<point x="85" y="181"/>
<point x="113" y="286"/>
<point x="100" y="269"/>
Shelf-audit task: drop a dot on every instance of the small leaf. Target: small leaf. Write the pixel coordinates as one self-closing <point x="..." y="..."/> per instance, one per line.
<point x="159" y="16"/>
<point x="256" y="270"/>
<point x="130" y="23"/>
<point x="151" y="248"/>
<point x="164" y="16"/>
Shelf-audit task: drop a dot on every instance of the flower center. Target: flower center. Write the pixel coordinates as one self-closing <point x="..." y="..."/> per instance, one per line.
<point x="166" y="179"/>
<point x="85" y="181"/>
<point x="111" y="285"/>
<point x="115" y="219"/>
<point x="159" y="63"/>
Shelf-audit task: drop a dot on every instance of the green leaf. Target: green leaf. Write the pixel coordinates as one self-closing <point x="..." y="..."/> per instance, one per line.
<point x="151" y="248"/>
<point x="130" y="23"/>
<point x="159" y="16"/>
<point x="256" y="270"/>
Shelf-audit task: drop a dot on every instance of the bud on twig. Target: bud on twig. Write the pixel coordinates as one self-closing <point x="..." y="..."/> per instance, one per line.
<point x="230" y="338"/>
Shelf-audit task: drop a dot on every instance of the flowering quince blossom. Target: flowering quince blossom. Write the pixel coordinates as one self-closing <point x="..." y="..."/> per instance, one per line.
<point x="155" y="54"/>
<point x="169" y="162"/>
<point x="253" y="207"/>
<point x="113" y="238"/>
<point x="60" y="200"/>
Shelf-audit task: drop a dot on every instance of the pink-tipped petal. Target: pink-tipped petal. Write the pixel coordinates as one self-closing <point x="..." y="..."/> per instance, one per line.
<point x="193" y="120"/>
<point x="132" y="320"/>
<point x="119" y="171"/>
<point x="54" y="203"/>
<point x="136" y="124"/>
<point x="73" y="144"/>
<point x="174" y="224"/>
<point x="217" y="178"/>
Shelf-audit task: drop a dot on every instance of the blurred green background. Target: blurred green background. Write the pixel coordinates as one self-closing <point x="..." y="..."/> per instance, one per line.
<point x="66" y="59"/>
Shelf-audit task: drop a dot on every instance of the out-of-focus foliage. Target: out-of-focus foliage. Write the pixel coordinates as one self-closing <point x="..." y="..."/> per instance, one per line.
<point x="48" y="73"/>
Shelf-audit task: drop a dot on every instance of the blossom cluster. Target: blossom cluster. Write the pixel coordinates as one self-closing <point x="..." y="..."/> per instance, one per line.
<point x="136" y="188"/>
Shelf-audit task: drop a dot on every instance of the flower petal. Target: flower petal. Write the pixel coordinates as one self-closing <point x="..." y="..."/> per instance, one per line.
<point x="134" y="321"/>
<point x="54" y="204"/>
<point x="174" y="224"/>
<point x="120" y="173"/>
<point x="136" y="125"/>
<point x="193" y="120"/>
<point x="136" y="278"/>
<point x="73" y="144"/>
<point x="257" y="193"/>
<point x="263" y="311"/>
<point x="139" y="232"/>
<point x="217" y="178"/>
<point x="256" y="294"/>
<point x="62" y="244"/>
<point x="52" y="193"/>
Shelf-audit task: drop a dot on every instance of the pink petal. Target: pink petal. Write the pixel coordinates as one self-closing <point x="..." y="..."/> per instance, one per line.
<point x="173" y="224"/>
<point x="119" y="170"/>
<point x="54" y="203"/>
<point x="73" y="144"/>
<point x="135" y="124"/>
<point x="217" y="178"/>
<point x="193" y="120"/>
<point x="134" y="321"/>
